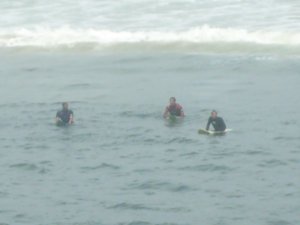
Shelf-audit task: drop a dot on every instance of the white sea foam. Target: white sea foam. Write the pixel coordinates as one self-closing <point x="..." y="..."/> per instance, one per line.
<point x="205" y="37"/>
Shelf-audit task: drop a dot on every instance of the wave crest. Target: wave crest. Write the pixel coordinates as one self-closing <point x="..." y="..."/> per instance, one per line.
<point x="203" y="38"/>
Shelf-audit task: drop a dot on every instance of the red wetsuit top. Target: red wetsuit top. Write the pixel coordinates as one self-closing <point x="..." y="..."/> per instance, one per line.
<point x="175" y="110"/>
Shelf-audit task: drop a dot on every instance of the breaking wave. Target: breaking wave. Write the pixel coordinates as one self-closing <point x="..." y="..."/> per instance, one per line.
<point x="201" y="39"/>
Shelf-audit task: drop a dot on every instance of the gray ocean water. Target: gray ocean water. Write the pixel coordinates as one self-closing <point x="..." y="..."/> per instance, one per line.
<point x="121" y="163"/>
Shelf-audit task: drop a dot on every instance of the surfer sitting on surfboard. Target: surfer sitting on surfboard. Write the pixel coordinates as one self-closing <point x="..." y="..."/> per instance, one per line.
<point x="173" y="109"/>
<point x="217" y="122"/>
<point x="64" y="116"/>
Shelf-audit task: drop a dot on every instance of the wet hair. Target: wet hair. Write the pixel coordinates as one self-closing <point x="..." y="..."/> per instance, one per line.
<point x="214" y="111"/>
<point x="173" y="98"/>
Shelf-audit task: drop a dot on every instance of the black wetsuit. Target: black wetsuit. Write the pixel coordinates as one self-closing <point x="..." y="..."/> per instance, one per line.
<point x="218" y="123"/>
<point x="64" y="115"/>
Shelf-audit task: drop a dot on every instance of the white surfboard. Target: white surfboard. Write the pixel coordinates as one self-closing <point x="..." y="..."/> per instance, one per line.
<point x="212" y="132"/>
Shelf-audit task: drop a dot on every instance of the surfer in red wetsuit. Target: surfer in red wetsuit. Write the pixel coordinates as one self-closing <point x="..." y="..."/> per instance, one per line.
<point x="173" y="109"/>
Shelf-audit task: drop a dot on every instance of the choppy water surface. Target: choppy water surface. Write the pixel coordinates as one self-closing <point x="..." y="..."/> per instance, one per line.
<point x="117" y="63"/>
<point x="121" y="163"/>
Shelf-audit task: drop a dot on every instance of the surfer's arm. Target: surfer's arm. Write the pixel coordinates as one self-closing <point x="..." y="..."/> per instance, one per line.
<point x="181" y="112"/>
<point x="166" y="113"/>
<point x="208" y="123"/>
<point x="180" y="109"/>
<point x="57" y="119"/>
<point x="71" y="119"/>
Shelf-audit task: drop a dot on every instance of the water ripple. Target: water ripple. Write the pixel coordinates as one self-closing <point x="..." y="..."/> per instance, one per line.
<point x="131" y="207"/>
<point x="24" y="166"/>
<point x="272" y="163"/>
<point x="134" y="114"/>
<point x="154" y="185"/>
<point x="32" y="167"/>
<point x="102" y="166"/>
<point x="207" y="167"/>
<point x="279" y="222"/>
<point x="285" y="138"/>
<point x="181" y="140"/>
<point x="136" y="223"/>
<point x="147" y="223"/>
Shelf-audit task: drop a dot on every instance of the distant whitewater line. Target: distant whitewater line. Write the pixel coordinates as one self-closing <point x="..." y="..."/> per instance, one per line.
<point x="204" y="38"/>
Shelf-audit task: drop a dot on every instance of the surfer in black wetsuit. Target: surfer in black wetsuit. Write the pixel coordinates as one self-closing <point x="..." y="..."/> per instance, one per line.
<point x="64" y="116"/>
<point x="217" y="122"/>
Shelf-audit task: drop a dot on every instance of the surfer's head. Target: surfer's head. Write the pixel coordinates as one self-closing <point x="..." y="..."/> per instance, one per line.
<point x="214" y="114"/>
<point x="172" y="100"/>
<point x="65" y="105"/>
